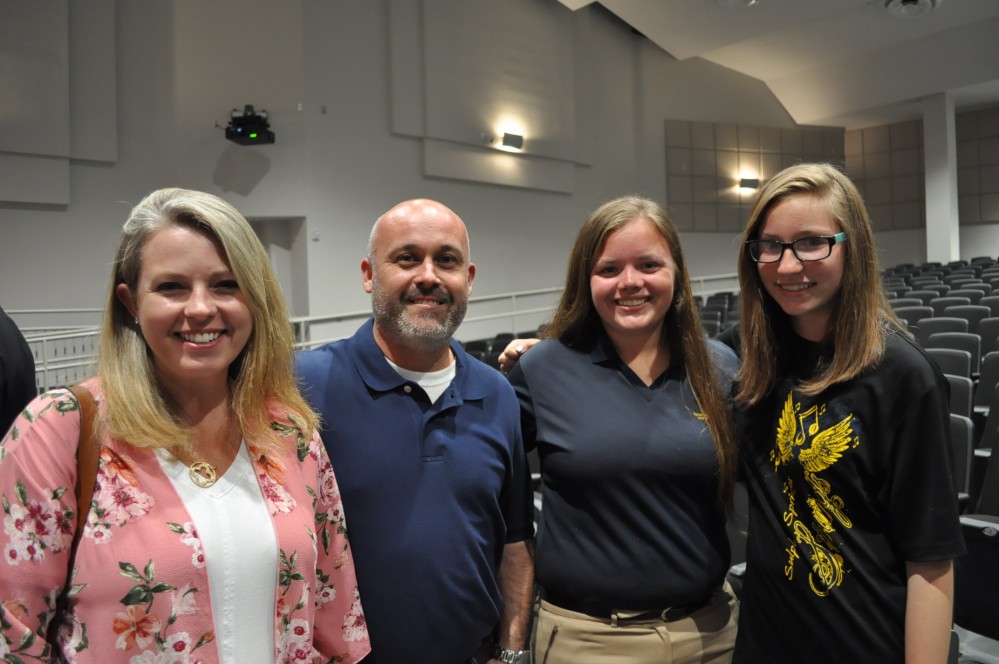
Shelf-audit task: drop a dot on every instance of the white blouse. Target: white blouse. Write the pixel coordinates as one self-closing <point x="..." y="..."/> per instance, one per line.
<point x="240" y="549"/>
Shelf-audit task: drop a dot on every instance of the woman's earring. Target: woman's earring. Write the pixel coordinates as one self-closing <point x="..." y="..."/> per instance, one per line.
<point x="137" y="321"/>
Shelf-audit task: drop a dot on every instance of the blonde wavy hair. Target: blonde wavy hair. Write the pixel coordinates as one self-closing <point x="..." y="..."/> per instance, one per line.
<point x="862" y="317"/>
<point x="577" y="324"/>
<point x="261" y="379"/>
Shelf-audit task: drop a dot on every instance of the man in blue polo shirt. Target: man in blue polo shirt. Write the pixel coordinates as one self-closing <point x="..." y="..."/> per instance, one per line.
<point x="427" y="449"/>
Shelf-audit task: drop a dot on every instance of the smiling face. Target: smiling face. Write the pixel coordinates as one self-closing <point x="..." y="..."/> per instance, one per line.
<point x="806" y="291"/>
<point x="632" y="283"/>
<point x="419" y="276"/>
<point x="193" y="315"/>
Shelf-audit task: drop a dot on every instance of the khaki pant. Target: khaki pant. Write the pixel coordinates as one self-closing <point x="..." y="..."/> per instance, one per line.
<point x="707" y="635"/>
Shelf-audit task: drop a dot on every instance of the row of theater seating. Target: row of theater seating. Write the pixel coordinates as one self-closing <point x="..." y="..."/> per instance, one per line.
<point x="718" y="311"/>
<point x="952" y="312"/>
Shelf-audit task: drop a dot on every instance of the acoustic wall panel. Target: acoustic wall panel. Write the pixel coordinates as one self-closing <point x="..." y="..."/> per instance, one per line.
<point x="704" y="162"/>
<point x="406" y="64"/>
<point x="463" y="72"/>
<point x="58" y="101"/>
<point x="93" y="114"/>
<point x="493" y="67"/>
<point x="886" y="163"/>
<point x="34" y="77"/>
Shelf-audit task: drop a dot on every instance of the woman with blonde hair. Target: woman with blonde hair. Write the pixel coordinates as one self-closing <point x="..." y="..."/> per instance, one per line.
<point x="626" y="405"/>
<point x="853" y="520"/>
<point x="215" y="531"/>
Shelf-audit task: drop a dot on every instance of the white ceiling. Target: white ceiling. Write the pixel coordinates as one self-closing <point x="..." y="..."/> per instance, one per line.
<point x="834" y="62"/>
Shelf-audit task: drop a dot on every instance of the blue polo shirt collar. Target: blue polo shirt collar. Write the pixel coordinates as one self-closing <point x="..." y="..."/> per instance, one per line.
<point x="379" y="376"/>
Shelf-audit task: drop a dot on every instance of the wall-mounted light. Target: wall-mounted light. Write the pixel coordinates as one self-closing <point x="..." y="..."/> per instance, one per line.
<point x="503" y="140"/>
<point x="749" y="183"/>
<point x="515" y="141"/>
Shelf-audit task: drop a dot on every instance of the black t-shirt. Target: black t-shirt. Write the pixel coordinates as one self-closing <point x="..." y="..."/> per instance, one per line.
<point x="844" y="488"/>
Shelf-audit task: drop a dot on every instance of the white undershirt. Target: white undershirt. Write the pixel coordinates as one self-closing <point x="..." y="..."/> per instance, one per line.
<point x="433" y="382"/>
<point x="241" y="552"/>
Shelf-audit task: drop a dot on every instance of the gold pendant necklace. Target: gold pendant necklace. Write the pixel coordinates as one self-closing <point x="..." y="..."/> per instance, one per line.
<point x="202" y="474"/>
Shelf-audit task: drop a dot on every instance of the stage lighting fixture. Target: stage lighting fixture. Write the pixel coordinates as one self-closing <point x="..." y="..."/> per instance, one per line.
<point x="249" y="127"/>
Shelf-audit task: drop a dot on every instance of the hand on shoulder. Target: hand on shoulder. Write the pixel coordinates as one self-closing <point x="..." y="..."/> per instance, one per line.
<point x="511" y="354"/>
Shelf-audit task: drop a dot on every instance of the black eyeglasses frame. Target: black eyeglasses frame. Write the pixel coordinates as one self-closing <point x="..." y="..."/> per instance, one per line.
<point x="833" y="240"/>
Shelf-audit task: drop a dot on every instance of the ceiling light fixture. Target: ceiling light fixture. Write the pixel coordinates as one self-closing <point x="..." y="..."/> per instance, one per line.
<point x="736" y="4"/>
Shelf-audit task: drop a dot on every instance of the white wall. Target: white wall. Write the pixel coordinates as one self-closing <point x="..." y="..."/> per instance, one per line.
<point x="182" y="66"/>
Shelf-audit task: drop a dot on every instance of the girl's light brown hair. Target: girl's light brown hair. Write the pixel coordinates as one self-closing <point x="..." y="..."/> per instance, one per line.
<point x="862" y="317"/>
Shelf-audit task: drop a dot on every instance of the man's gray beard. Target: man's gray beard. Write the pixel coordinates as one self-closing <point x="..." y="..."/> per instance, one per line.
<point x="393" y="323"/>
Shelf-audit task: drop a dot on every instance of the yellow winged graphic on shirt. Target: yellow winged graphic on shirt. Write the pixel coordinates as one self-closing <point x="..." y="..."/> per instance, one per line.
<point x="812" y="533"/>
<point x="827" y="446"/>
<point x="787" y="434"/>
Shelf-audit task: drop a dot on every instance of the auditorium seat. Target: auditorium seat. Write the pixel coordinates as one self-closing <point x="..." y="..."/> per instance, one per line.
<point x="970" y="312"/>
<point x="938" y="304"/>
<point x="992" y="302"/>
<point x="476" y="346"/>
<point x="959" y="341"/>
<point x="988" y="330"/>
<point x="987" y="382"/>
<point x="976" y="574"/>
<point x="961" y="393"/>
<point x="940" y="289"/>
<point x="924" y="296"/>
<point x="913" y="314"/>
<point x="500" y="340"/>
<point x="973" y="294"/>
<point x="962" y="447"/>
<point x="934" y="324"/>
<point x="951" y="361"/>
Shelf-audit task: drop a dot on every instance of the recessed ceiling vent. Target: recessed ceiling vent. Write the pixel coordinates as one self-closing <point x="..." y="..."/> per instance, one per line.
<point x="910" y="8"/>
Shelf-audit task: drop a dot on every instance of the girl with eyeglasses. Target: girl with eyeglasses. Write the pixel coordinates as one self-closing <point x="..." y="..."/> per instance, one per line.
<point x="845" y="443"/>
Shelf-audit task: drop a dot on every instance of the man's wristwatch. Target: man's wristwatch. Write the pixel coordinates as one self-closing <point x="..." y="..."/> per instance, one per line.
<point x="510" y="656"/>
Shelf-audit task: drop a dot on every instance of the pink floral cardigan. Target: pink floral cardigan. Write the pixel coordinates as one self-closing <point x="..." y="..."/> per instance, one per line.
<point x="140" y="591"/>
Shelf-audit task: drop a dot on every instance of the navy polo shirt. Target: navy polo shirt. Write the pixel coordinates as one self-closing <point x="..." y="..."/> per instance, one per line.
<point x="629" y="475"/>
<point x="431" y="494"/>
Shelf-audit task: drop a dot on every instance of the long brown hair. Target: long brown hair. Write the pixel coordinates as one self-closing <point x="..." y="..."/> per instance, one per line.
<point x="862" y="317"/>
<point x="261" y="378"/>
<point x="577" y="324"/>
